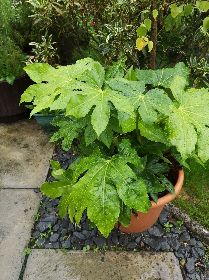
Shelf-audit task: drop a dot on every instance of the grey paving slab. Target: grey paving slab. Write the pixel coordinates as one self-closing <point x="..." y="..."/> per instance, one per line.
<point x="59" y="265"/>
<point x="17" y="210"/>
<point x="25" y="153"/>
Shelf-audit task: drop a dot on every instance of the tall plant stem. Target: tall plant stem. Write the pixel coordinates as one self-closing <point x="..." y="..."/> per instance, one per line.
<point x="152" y="64"/>
<point x="138" y="136"/>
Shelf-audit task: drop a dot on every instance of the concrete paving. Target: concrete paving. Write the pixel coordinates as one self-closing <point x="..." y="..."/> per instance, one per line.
<point x="56" y="264"/>
<point x="25" y="153"/>
<point x="17" y="210"/>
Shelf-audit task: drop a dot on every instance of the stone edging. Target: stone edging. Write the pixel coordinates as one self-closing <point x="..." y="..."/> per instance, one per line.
<point x="192" y="225"/>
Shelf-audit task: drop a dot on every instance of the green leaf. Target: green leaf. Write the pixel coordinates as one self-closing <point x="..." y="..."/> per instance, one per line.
<point x="169" y="23"/>
<point x="167" y="184"/>
<point x="125" y="215"/>
<point x="162" y="77"/>
<point x="155" y="13"/>
<point x="81" y="165"/>
<point x="127" y="122"/>
<point x="131" y="89"/>
<point x="54" y="189"/>
<point x="176" y="10"/>
<point x="203" y="144"/>
<point x="68" y="130"/>
<point x="89" y="135"/>
<point x="131" y="74"/>
<point x="125" y="150"/>
<point x="206" y="24"/>
<point x="60" y="174"/>
<point x="135" y="196"/>
<point x="141" y="30"/>
<point x="40" y="72"/>
<point x="154" y="176"/>
<point x="150" y="46"/>
<point x="80" y="105"/>
<point x="10" y="79"/>
<point x="188" y="9"/>
<point x="103" y="207"/>
<point x="63" y="204"/>
<point x="77" y="201"/>
<point x="141" y="43"/>
<point x="153" y="132"/>
<point x="154" y="187"/>
<point x="131" y="190"/>
<point x="177" y="87"/>
<point x="42" y="96"/>
<point x="107" y="136"/>
<point x="55" y="164"/>
<point x="203" y="6"/>
<point x="148" y="24"/>
<point x="99" y="185"/>
<point x="182" y="133"/>
<point x="116" y="70"/>
<point x="153" y="148"/>
<point x="152" y="103"/>
<point x="156" y="166"/>
<point x="77" y="89"/>
<point x="60" y="82"/>
<point x="194" y="107"/>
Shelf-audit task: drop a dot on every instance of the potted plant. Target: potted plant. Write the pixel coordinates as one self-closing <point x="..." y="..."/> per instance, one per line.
<point x="12" y="60"/>
<point x="132" y="135"/>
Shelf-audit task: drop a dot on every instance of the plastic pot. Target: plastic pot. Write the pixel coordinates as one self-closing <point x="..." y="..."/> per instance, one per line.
<point x="142" y="221"/>
<point x="45" y="122"/>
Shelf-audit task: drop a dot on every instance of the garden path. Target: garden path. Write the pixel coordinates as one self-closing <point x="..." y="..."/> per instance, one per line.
<point x="77" y="265"/>
<point x="24" y="161"/>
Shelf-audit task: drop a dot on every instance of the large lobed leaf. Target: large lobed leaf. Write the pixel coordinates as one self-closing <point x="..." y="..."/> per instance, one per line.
<point x="68" y="130"/>
<point x="189" y="120"/>
<point x="99" y="185"/>
<point x="181" y="121"/>
<point x="75" y="89"/>
<point x="162" y="77"/>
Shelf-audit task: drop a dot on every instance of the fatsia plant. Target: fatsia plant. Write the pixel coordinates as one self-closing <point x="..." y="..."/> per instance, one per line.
<point x="129" y="132"/>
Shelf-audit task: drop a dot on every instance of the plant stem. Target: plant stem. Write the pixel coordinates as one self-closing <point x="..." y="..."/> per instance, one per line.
<point x="138" y="136"/>
<point x="152" y="64"/>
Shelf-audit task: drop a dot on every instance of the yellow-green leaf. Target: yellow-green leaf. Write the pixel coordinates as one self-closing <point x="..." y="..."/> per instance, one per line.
<point x="148" y="23"/>
<point x="150" y="46"/>
<point x="203" y="6"/>
<point x="176" y="10"/>
<point x="141" y="43"/>
<point x="155" y="13"/>
<point x="206" y="24"/>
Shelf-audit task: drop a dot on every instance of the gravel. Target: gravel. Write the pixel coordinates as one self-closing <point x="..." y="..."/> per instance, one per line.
<point x="52" y="232"/>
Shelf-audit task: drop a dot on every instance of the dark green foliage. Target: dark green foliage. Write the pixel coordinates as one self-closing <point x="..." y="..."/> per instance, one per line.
<point x="14" y="36"/>
<point x="106" y="30"/>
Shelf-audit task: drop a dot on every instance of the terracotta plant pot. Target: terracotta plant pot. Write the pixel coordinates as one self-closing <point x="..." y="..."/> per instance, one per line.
<point x="143" y="221"/>
<point x="10" y="98"/>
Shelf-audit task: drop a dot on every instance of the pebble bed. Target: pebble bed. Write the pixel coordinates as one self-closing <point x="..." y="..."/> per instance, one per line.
<point x="167" y="235"/>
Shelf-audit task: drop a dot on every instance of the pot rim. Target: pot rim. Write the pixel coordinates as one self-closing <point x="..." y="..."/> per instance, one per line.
<point x="171" y="196"/>
<point x="48" y="115"/>
<point x="16" y="79"/>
